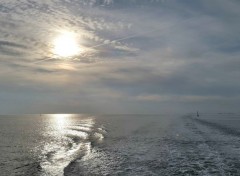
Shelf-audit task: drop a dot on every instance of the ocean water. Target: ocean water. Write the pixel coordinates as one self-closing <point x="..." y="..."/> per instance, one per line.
<point x="74" y="145"/>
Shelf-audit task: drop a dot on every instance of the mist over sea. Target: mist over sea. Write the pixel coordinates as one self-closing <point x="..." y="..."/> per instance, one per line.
<point x="74" y="145"/>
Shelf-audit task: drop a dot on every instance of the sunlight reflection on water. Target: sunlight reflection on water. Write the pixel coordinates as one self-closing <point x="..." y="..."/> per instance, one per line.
<point x="61" y="120"/>
<point x="69" y="138"/>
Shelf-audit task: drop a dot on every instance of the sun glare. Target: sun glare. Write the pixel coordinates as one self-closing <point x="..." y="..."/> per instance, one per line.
<point x="66" y="45"/>
<point x="61" y="120"/>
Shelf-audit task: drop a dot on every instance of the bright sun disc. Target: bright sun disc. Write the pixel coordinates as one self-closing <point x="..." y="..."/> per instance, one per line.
<point x="66" y="45"/>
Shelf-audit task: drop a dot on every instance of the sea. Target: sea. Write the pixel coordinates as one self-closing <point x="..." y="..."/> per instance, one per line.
<point x="134" y="145"/>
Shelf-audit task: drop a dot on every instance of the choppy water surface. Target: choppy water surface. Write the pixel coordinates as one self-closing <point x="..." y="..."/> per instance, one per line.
<point x="73" y="145"/>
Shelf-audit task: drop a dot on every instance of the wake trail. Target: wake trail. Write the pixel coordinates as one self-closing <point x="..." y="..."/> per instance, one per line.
<point x="219" y="127"/>
<point x="223" y="140"/>
<point x="192" y="152"/>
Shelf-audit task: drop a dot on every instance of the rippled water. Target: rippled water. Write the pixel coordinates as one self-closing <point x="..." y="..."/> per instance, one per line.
<point x="78" y="145"/>
<point x="45" y="144"/>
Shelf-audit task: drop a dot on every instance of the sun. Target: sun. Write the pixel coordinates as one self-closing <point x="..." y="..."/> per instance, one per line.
<point x="66" y="45"/>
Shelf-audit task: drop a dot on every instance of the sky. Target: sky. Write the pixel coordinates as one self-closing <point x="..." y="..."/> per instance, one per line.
<point x="119" y="56"/>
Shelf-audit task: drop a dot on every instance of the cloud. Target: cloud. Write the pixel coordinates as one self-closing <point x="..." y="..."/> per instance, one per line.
<point x="140" y="56"/>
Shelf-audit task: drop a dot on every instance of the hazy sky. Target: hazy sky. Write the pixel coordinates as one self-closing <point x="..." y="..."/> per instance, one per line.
<point x="137" y="56"/>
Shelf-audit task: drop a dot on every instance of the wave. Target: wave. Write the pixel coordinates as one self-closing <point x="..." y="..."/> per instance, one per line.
<point x="77" y="142"/>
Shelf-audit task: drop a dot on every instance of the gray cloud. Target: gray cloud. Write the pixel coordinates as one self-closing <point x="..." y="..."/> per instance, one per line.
<point x="140" y="56"/>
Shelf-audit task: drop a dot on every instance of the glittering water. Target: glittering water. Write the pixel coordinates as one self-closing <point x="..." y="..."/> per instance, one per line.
<point x="45" y="144"/>
<point x="75" y="145"/>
